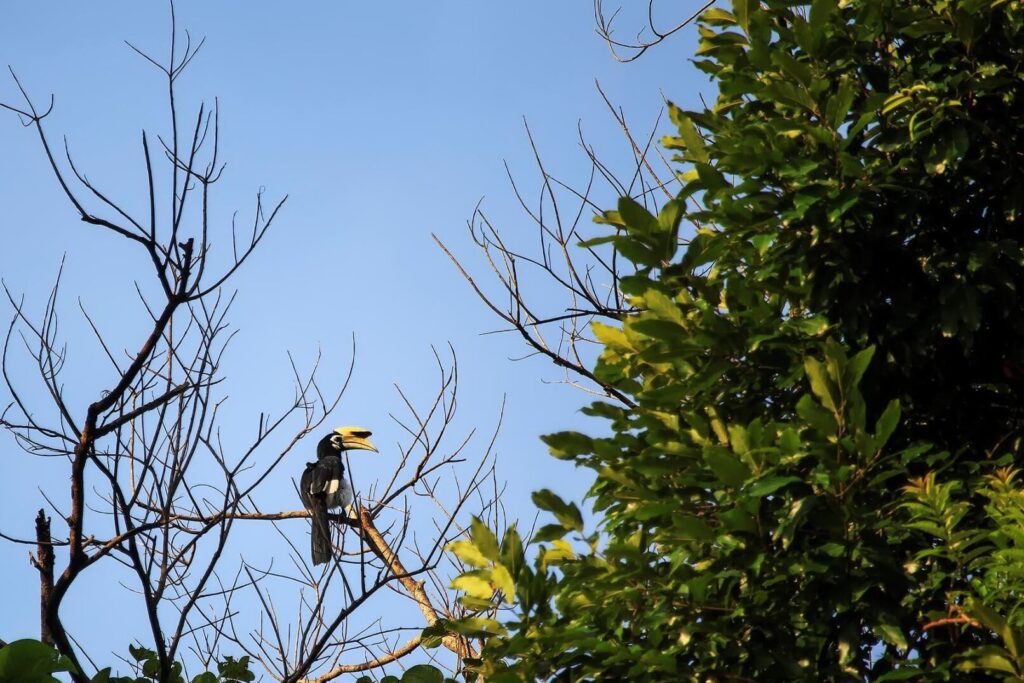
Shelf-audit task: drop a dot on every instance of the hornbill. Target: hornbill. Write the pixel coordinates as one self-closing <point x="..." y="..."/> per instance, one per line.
<point x="323" y="484"/>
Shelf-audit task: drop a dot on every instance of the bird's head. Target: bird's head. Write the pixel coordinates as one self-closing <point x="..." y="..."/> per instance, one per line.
<point x="345" y="439"/>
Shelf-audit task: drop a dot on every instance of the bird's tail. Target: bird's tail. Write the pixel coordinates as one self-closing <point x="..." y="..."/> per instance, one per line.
<point x="320" y="538"/>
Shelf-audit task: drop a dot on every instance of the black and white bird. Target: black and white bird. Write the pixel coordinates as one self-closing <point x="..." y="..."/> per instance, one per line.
<point x="323" y="485"/>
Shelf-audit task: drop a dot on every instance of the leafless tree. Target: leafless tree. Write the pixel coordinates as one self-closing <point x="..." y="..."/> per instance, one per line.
<point x="158" y="484"/>
<point x="550" y="288"/>
<point x="368" y="559"/>
<point x="650" y="34"/>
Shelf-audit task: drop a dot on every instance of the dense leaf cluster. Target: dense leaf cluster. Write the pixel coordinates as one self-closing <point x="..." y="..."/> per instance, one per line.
<point x="31" y="661"/>
<point x="817" y="482"/>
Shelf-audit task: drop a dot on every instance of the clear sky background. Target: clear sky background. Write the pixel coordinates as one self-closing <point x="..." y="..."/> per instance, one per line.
<point x="383" y="122"/>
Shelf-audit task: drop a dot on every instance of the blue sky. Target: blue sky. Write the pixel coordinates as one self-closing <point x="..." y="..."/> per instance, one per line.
<point x="384" y="122"/>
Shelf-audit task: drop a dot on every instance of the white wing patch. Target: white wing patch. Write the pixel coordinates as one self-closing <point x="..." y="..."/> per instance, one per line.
<point x="336" y="492"/>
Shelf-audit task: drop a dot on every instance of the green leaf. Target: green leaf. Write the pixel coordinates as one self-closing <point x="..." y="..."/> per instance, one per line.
<point x="742" y="9"/>
<point x="422" y="673"/>
<point x="820" y="384"/>
<point x="727" y="467"/>
<point x="739" y="520"/>
<point x="894" y="102"/>
<point x="151" y="667"/>
<point x="1014" y="640"/>
<point x="549" y="532"/>
<point x="475" y="584"/>
<point x="596" y="241"/>
<point x="568" y="514"/>
<point x="891" y="632"/>
<point x="988" y="617"/>
<point x="637" y="218"/>
<point x="793" y="68"/>
<point x="478" y="626"/>
<point x="433" y="636"/>
<point x="887" y="423"/>
<point x="839" y="104"/>
<point x="559" y="552"/>
<point x="566" y="445"/>
<point x="468" y="553"/>
<point x="484" y="539"/>
<point x="501" y="578"/>
<point x="821" y="12"/>
<point x="235" y="669"/>
<point x="512" y="550"/>
<point x="669" y="219"/>
<point x="994" y="659"/>
<point x="31" y="661"/>
<point x="795" y="515"/>
<point x="693" y="528"/>
<point x="718" y="17"/>
<point x="856" y="366"/>
<point x="823" y="421"/>
<point x="140" y="653"/>
<point x="689" y="135"/>
<point x="903" y="673"/>
<point x="666" y="309"/>
<point x="769" y="485"/>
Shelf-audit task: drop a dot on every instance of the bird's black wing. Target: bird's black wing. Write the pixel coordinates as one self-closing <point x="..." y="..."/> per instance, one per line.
<point x="320" y="534"/>
<point x="304" y="483"/>
<point x="313" y="487"/>
<point x="325" y="475"/>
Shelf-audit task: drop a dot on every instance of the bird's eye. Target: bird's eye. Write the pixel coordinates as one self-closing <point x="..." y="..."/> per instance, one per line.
<point x="337" y="442"/>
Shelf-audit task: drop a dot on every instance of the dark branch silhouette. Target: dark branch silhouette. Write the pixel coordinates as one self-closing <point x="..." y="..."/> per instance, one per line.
<point x="549" y="289"/>
<point x="650" y="34"/>
<point x="157" y="483"/>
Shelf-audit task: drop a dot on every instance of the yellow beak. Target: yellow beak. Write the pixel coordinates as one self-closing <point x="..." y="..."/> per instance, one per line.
<point x="356" y="438"/>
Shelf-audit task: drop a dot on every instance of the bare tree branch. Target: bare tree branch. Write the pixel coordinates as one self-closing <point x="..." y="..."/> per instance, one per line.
<point x="157" y="482"/>
<point x="646" y="38"/>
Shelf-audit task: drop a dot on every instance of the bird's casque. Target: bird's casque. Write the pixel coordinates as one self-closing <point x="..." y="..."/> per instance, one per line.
<point x="324" y="486"/>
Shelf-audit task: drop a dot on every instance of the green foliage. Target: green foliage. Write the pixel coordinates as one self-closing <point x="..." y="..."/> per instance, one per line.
<point x="856" y="168"/>
<point x="229" y="670"/>
<point x="813" y="485"/>
<point x="986" y="563"/>
<point x="30" y="661"/>
<point x="762" y="524"/>
<point x="495" y="567"/>
<point x="421" y="673"/>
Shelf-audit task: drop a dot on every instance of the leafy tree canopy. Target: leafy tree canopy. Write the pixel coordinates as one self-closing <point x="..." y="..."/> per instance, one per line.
<point x="31" y="661"/>
<point x="818" y="480"/>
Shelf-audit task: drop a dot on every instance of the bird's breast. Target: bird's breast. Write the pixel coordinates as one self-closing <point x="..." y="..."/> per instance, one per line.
<point x="337" y="493"/>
